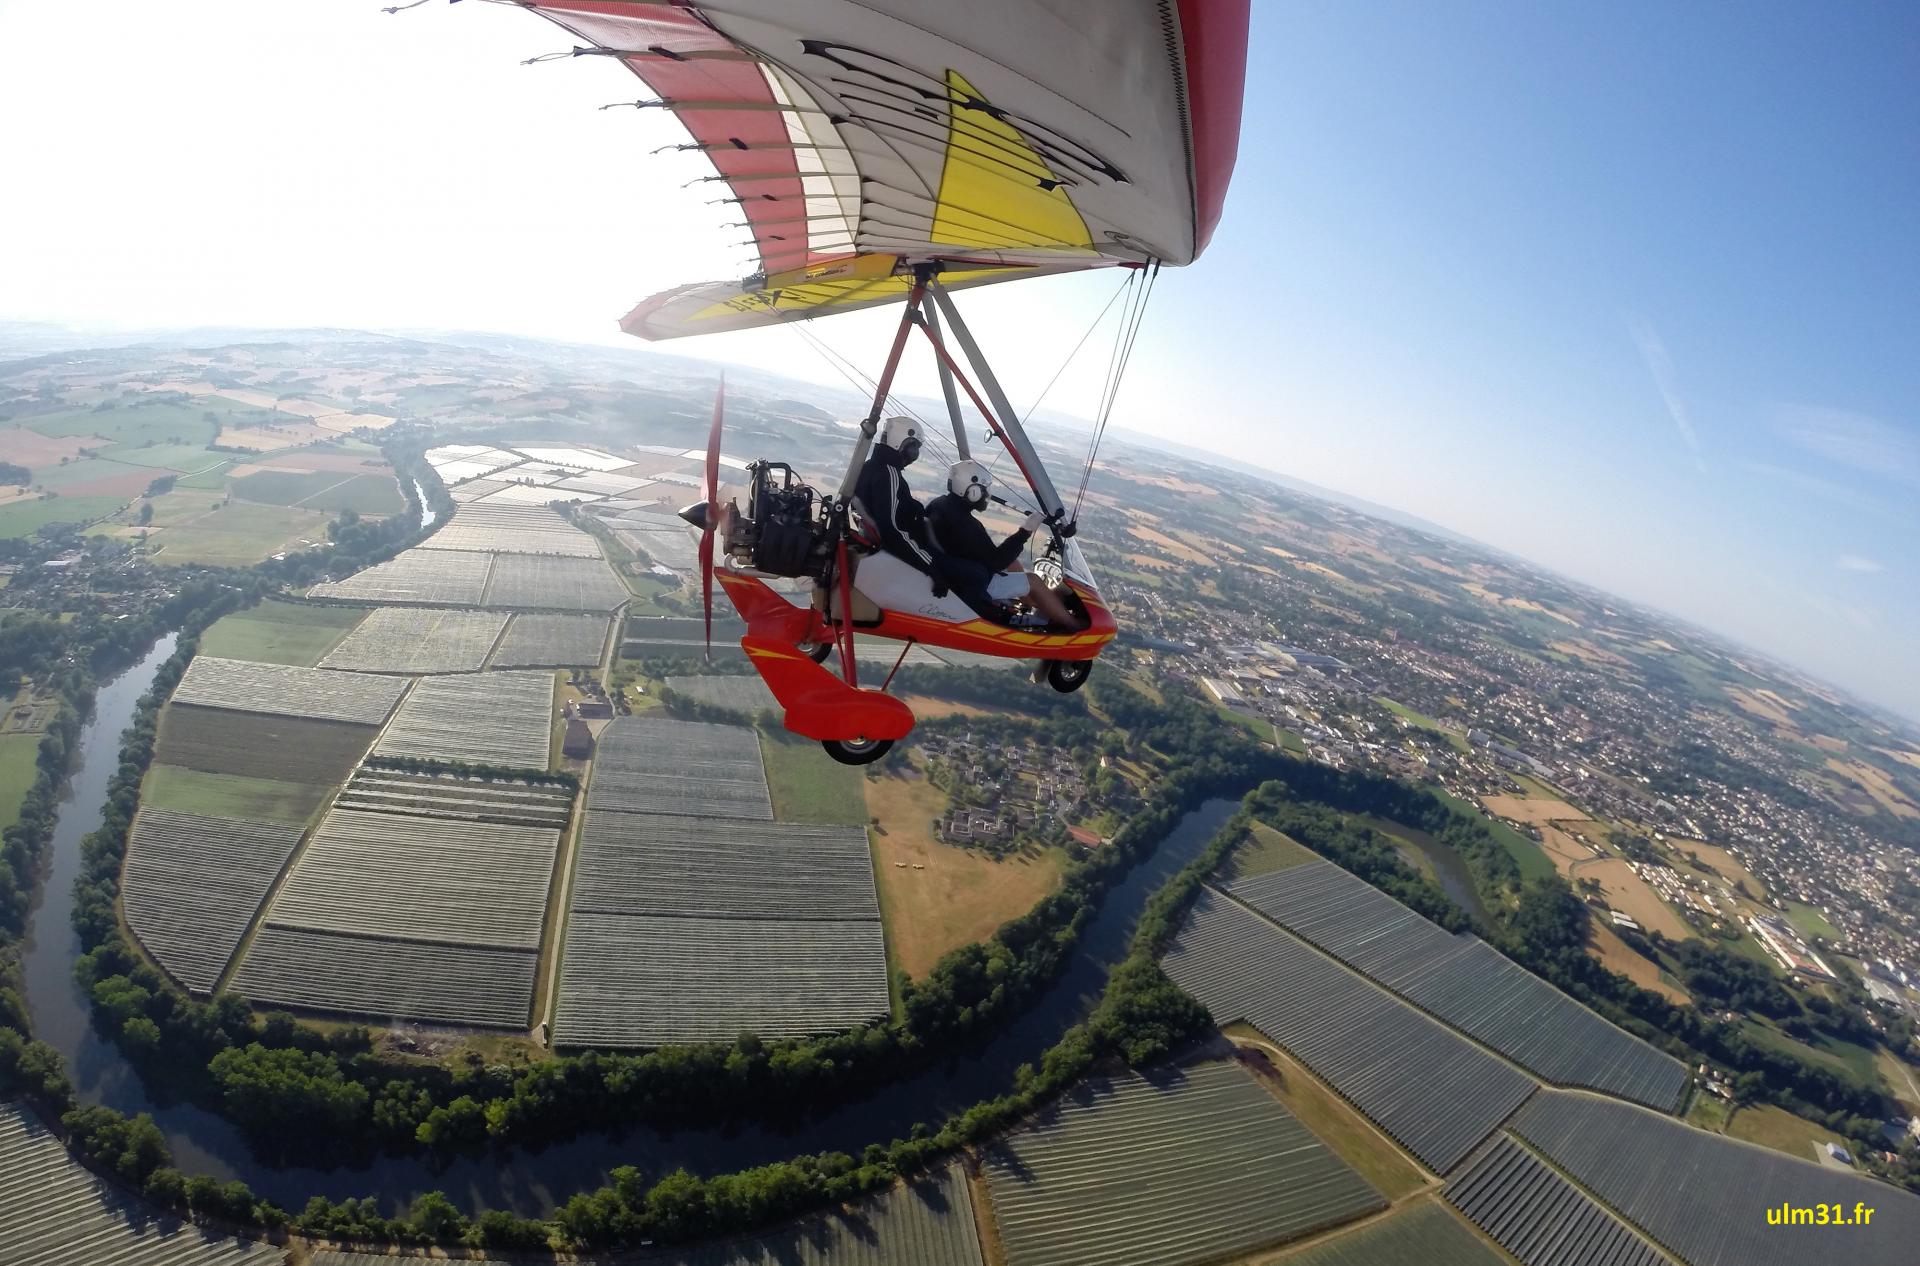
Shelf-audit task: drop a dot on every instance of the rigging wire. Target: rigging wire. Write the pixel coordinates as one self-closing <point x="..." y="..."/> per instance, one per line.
<point x="1123" y="352"/>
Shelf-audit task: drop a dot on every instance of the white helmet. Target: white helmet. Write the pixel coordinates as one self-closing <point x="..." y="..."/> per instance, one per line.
<point x="900" y="431"/>
<point x="971" y="482"/>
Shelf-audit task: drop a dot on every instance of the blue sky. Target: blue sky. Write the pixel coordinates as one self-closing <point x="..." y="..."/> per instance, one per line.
<point x="1625" y="289"/>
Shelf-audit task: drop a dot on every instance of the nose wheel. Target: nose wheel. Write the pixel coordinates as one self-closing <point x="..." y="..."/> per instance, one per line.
<point x="857" y="751"/>
<point x="1068" y="675"/>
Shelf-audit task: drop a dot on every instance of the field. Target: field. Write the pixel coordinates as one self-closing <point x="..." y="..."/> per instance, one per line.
<point x="1464" y="982"/>
<point x="1422" y="1233"/>
<point x="17" y="773"/>
<point x="260" y="745"/>
<point x="1432" y="1091"/>
<point x="806" y="784"/>
<point x="1526" y="854"/>
<point x="389" y="980"/>
<point x="1535" y="810"/>
<point x="1724" y="864"/>
<point x="1877" y="785"/>
<point x="1333" y="1121"/>
<point x="238" y="534"/>
<point x="1266" y="850"/>
<point x="284" y="690"/>
<point x="509" y="529"/>
<point x="193" y="884"/>
<point x="1773" y="1127"/>
<point x="572" y="584"/>
<point x="169" y="422"/>
<point x="1705" y="1197"/>
<point x="1524" y="1205"/>
<point x="417" y="576"/>
<point x="278" y="632"/>
<point x="648" y="764"/>
<point x="446" y="795"/>
<point x="1617" y="956"/>
<point x="1810" y="921"/>
<point x="485" y="718"/>
<point x="368" y="494"/>
<point x="642" y="981"/>
<point x="24" y="518"/>
<point x="1628" y="893"/>
<point x="552" y="641"/>
<point x="1183" y="1165"/>
<point x="418" y="640"/>
<point x="230" y="795"/>
<point x="747" y="695"/>
<point x="935" y="896"/>
<point x="456" y="883"/>
<point x="60" y="1212"/>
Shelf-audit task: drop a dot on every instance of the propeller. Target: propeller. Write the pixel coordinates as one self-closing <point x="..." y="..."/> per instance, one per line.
<point x="709" y="515"/>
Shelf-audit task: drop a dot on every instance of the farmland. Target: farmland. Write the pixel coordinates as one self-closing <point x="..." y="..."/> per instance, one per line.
<point x="1431" y="1090"/>
<point x="938" y="896"/>
<point x="641" y="981"/>
<point x="418" y="640"/>
<point x="235" y="534"/>
<point x="1705" y="1197"/>
<point x="57" y="1213"/>
<point x="193" y="884"/>
<point x="285" y="690"/>
<point x="552" y="641"/>
<point x="276" y="632"/>
<point x="747" y="695"/>
<point x="1464" y="982"/>
<point x="655" y="765"/>
<point x="1419" y="1234"/>
<point x="503" y="718"/>
<point x="417" y="575"/>
<point x="512" y="529"/>
<point x="380" y="980"/>
<point x="260" y="745"/>
<point x="571" y="584"/>
<point x="1181" y="1165"/>
<point x="366" y="494"/>
<point x="462" y="883"/>
<point x="1540" y="1217"/>
<point x="17" y="772"/>
<point x="25" y="517"/>
<point x="454" y="796"/>
<point x="651" y="864"/>
<point x="230" y="795"/>
<point x="806" y="784"/>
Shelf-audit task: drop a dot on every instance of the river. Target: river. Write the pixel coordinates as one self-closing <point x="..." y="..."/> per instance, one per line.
<point x="427" y="516"/>
<point x="532" y="1181"/>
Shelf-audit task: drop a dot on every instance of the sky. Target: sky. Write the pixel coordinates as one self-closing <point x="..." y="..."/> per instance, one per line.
<point x="1625" y="290"/>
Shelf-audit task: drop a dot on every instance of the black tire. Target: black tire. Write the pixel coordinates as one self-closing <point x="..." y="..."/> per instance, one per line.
<point x="1068" y="675"/>
<point x="816" y="651"/>
<point x="857" y="751"/>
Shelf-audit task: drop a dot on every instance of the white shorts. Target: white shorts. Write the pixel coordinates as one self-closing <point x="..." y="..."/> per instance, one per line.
<point x="1007" y="585"/>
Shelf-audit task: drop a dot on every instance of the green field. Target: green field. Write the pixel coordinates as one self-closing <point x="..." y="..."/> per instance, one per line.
<point x="808" y="785"/>
<point x="229" y="795"/>
<point x="280" y="633"/>
<point x="182" y="458"/>
<point x="284" y="487"/>
<point x="1810" y="921"/>
<point x="1264" y="851"/>
<point x="24" y="518"/>
<point x="1781" y="1130"/>
<point x="371" y="493"/>
<point x="84" y="470"/>
<point x="236" y="535"/>
<point x="137" y="423"/>
<point x="1846" y="1058"/>
<point x="1533" y="863"/>
<point x="17" y="772"/>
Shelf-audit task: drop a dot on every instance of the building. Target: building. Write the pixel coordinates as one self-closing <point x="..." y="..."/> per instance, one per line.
<point x="577" y="744"/>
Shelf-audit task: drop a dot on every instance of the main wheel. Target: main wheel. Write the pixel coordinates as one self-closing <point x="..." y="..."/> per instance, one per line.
<point x="857" y="751"/>
<point x="815" y="651"/>
<point x="1068" y="675"/>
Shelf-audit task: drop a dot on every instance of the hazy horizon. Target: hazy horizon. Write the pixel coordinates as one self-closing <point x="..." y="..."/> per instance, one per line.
<point x="1626" y="294"/>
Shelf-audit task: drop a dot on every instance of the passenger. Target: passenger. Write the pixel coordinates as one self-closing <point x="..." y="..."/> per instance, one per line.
<point x="957" y="532"/>
<point x="885" y="503"/>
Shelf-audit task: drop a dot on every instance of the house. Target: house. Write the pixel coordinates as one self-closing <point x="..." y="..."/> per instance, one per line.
<point x="577" y="744"/>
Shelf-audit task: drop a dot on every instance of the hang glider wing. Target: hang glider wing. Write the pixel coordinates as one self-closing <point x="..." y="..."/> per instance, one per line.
<point x="1001" y="138"/>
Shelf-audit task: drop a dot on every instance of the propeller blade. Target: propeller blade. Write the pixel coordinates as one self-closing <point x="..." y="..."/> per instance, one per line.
<point x="706" y="585"/>
<point x="713" y="444"/>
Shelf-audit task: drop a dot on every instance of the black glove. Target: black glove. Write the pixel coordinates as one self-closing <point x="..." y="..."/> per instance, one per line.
<point x="938" y="575"/>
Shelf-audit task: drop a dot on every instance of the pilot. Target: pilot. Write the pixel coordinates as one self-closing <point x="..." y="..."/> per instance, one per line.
<point x="977" y="565"/>
<point x="885" y="503"/>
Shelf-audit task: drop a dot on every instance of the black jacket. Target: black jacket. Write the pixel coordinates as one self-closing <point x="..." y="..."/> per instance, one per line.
<point x="887" y="507"/>
<point x="957" y="530"/>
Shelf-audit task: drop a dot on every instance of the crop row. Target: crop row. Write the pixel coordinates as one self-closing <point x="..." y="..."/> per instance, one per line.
<point x="418" y="640"/>
<point x="536" y="640"/>
<point x="1428" y="1087"/>
<point x="389" y="980"/>
<point x="261" y="745"/>
<point x="460" y="883"/>
<point x="511" y="529"/>
<point x="1465" y="982"/>
<point x="1179" y="1165"/>
<point x="282" y="688"/>
<point x="417" y="576"/>
<point x="193" y="885"/>
<point x="458" y="798"/>
<point x="1526" y="1207"/>
<point x="572" y="584"/>
<point x="503" y="718"/>
<point x="648" y="764"/>
<point x="1422" y="1234"/>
